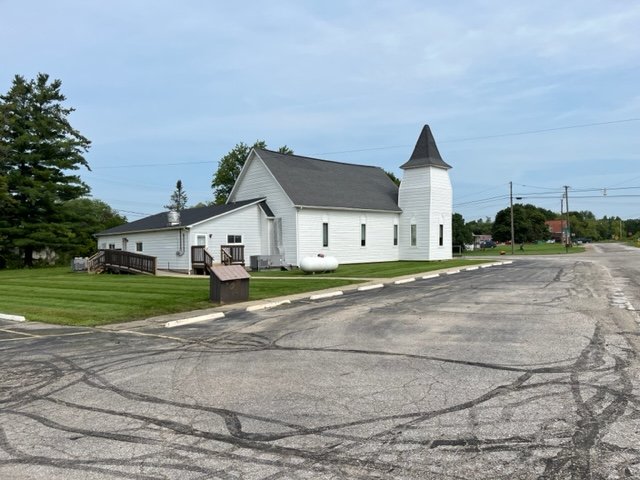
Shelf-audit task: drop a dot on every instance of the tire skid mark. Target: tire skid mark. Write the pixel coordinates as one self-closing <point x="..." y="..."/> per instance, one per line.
<point x="598" y="383"/>
<point x="583" y="439"/>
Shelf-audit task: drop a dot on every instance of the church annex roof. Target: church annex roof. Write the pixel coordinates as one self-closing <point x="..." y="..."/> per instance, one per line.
<point x="188" y="217"/>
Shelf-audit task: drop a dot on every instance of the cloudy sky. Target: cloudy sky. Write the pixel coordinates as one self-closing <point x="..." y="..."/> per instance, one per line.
<point x="543" y="94"/>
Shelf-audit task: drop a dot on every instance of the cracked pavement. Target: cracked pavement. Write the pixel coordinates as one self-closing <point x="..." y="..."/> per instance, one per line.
<point x="524" y="371"/>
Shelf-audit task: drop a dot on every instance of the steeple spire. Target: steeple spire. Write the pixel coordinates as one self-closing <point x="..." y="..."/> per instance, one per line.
<point x="425" y="153"/>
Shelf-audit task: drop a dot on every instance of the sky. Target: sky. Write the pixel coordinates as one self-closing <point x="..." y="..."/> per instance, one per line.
<point x="541" y="94"/>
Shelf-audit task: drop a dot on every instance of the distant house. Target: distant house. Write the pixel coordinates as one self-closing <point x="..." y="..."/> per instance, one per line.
<point x="557" y="229"/>
<point x="480" y="239"/>
<point x="291" y="207"/>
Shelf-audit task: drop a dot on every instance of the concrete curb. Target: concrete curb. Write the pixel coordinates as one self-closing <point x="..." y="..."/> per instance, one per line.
<point x="13" y="318"/>
<point x="177" y="319"/>
<point x="326" y="295"/>
<point x="200" y="318"/>
<point x="427" y="277"/>
<point x="265" y="306"/>
<point x="404" y="280"/>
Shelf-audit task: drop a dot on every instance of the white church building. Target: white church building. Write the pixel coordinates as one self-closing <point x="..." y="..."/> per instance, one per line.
<point x="290" y="207"/>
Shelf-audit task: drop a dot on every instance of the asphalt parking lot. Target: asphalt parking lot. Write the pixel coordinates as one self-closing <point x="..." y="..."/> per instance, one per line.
<point x="528" y="370"/>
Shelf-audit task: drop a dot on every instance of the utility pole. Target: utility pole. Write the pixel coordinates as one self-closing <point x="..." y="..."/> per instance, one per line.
<point x="512" y="229"/>
<point x="620" y="228"/>
<point x="566" y="196"/>
<point x="562" y="230"/>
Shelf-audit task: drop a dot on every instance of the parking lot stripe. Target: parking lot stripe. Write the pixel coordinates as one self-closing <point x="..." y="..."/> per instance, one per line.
<point x="144" y="334"/>
<point x="30" y="336"/>
<point x="6" y="330"/>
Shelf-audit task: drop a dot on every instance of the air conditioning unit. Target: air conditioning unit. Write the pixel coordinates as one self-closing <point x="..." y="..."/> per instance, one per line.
<point x="263" y="262"/>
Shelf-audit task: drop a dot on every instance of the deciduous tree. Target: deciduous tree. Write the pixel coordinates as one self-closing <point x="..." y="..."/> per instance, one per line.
<point x="528" y="221"/>
<point x="229" y="168"/>
<point x="460" y="232"/>
<point x="85" y="217"/>
<point x="481" y="226"/>
<point x="393" y="177"/>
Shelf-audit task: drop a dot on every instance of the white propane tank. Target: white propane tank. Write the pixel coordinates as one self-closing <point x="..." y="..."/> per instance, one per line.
<point x="318" y="264"/>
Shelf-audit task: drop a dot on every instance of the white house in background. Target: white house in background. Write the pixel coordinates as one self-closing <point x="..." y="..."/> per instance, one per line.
<point x="293" y="207"/>
<point x="170" y="238"/>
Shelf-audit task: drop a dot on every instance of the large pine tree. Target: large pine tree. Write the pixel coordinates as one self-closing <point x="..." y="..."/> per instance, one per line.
<point x="39" y="150"/>
<point x="178" y="198"/>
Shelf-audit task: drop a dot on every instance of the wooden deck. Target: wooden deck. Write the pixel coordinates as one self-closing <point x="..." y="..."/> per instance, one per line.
<point x="118" y="261"/>
<point x="232" y="254"/>
<point x="201" y="259"/>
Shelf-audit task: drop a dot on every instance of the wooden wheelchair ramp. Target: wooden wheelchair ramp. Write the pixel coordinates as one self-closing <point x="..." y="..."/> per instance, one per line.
<point x="118" y="261"/>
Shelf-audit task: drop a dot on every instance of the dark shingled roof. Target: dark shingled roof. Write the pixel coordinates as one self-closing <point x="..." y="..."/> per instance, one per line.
<point x="312" y="182"/>
<point x="188" y="217"/>
<point x="425" y="153"/>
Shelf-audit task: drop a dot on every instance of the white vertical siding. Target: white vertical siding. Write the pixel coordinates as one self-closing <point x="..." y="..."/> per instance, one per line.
<point x="414" y="199"/>
<point x="440" y="212"/>
<point x="248" y="222"/>
<point x="257" y="182"/>
<point x="425" y="198"/>
<point x="344" y="235"/>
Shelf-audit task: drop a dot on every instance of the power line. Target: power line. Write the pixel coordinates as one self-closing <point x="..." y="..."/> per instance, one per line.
<point x="371" y="149"/>
<point x="132" y="213"/>
<point x="532" y="186"/>
<point x="144" y="165"/>
<point x="558" y="191"/>
<point x="544" y="130"/>
<point x="482" y="191"/>
<point x="391" y="147"/>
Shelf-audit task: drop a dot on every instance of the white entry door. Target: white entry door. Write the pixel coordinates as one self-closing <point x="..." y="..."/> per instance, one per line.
<point x="201" y="240"/>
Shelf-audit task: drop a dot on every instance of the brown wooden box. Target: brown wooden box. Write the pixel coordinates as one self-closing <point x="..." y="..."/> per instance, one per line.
<point x="229" y="284"/>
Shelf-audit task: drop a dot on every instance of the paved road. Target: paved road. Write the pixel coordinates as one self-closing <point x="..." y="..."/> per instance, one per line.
<point x="523" y="371"/>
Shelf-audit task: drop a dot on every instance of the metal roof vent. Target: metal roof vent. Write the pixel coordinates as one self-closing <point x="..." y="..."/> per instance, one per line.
<point x="173" y="218"/>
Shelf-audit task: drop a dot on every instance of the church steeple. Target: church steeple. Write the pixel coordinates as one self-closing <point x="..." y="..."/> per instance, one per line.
<point x="425" y="153"/>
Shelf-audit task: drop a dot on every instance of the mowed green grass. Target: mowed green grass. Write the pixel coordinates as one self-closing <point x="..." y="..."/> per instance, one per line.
<point x="529" y="249"/>
<point x="374" y="270"/>
<point x="56" y="295"/>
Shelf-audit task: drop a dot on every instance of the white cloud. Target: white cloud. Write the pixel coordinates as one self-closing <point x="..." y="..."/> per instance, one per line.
<point x="155" y="81"/>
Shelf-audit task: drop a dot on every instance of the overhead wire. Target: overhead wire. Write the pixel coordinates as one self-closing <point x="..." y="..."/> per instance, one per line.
<point x="557" y="192"/>
<point x="390" y="147"/>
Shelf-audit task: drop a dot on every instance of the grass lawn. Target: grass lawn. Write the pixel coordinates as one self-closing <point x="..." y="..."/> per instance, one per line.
<point x="634" y="243"/>
<point x="529" y="249"/>
<point x="56" y="295"/>
<point x="374" y="270"/>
